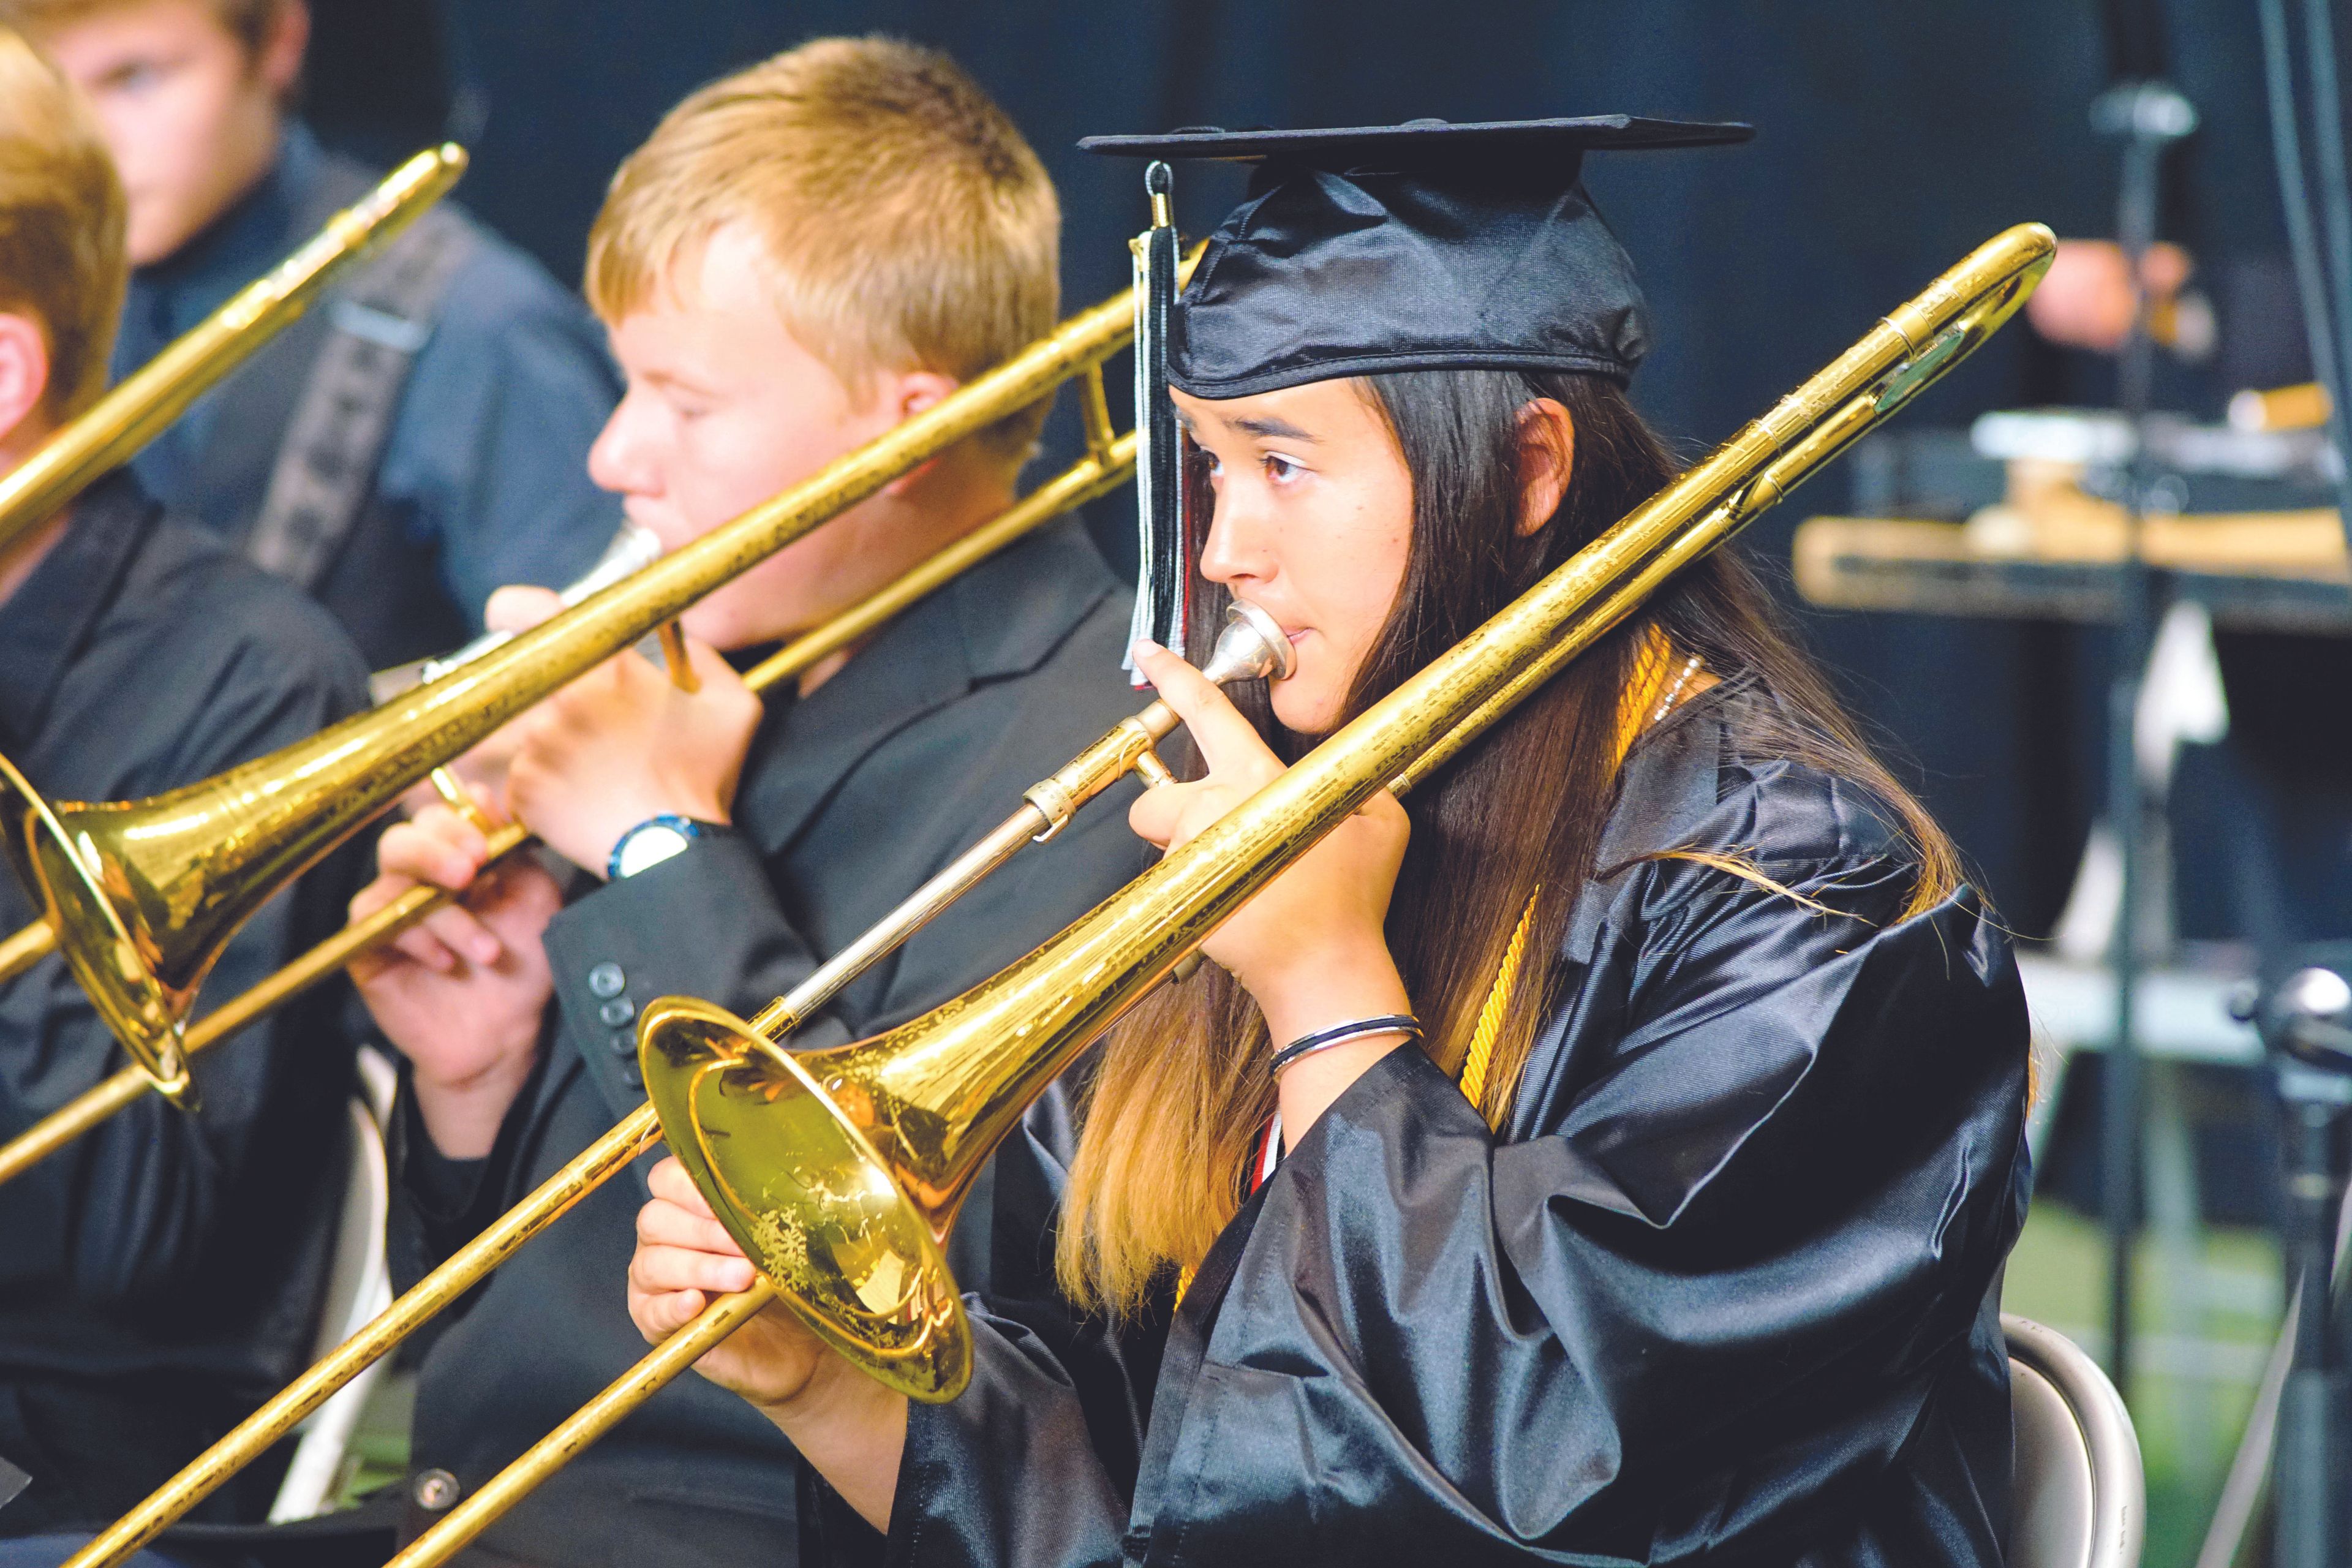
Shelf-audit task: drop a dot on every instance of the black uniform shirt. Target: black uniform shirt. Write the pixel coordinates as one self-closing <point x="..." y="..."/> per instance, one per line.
<point x="850" y="798"/>
<point x="1722" y="1289"/>
<point x="158" y="1276"/>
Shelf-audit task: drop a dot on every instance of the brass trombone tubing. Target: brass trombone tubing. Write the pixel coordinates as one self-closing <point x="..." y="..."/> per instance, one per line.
<point x="1092" y="475"/>
<point x="285" y="1410"/>
<point x="28" y="946"/>
<point x="1008" y="1038"/>
<point x="144" y="402"/>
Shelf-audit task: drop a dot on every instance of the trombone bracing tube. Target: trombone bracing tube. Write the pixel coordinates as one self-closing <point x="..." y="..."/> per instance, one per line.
<point x="136" y="411"/>
<point x="1083" y="481"/>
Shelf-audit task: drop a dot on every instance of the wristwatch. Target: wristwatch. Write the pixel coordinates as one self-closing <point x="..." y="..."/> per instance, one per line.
<point x="654" y="840"/>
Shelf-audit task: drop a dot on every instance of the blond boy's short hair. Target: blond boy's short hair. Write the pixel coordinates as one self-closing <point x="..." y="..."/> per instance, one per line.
<point x="908" y="223"/>
<point x="247" y="20"/>
<point x="61" y="221"/>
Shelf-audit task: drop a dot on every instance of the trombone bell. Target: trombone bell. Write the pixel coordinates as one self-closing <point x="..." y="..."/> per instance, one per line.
<point x="93" y="900"/>
<point x="850" y="1236"/>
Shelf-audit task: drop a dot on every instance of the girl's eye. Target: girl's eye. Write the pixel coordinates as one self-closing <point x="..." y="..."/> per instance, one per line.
<point x="1280" y="468"/>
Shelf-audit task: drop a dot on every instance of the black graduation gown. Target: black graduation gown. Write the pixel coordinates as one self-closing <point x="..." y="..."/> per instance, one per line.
<point x="1724" y="1290"/>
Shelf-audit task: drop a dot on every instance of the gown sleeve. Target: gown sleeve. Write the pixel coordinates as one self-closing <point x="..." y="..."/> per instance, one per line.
<point x="1722" y="1294"/>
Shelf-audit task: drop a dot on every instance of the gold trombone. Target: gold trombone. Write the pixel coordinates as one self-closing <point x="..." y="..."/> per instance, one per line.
<point x="145" y="894"/>
<point x="881" y="1139"/>
<point x="138" y="409"/>
<point x="1102" y="470"/>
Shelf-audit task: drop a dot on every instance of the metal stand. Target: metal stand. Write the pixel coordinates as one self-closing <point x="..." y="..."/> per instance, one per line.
<point x="2304" y="1026"/>
<point x="2148" y="117"/>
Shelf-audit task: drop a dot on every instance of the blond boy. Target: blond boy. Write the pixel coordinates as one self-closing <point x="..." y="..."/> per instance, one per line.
<point x="800" y="258"/>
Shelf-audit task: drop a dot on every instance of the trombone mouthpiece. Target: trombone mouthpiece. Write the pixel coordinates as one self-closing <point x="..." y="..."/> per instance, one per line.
<point x="1252" y="646"/>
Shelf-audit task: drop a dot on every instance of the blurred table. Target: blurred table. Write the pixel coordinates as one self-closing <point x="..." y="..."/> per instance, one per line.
<point x="2281" y="572"/>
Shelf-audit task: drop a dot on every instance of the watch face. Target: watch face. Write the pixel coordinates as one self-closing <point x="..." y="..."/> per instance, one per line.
<point x="649" y="845"/>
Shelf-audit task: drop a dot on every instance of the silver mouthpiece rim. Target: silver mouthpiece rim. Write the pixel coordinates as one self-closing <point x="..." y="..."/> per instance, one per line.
<point x="1252" y="644"/>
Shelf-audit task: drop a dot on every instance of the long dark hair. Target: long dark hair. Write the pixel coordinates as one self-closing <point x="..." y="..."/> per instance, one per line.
<point x="1514" y="823"/>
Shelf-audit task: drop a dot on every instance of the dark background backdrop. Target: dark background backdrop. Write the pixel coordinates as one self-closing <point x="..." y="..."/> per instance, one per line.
<point x="1892" y="137"/>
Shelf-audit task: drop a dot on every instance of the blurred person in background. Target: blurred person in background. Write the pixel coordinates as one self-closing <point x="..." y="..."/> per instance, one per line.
<point x="415" y="441"/>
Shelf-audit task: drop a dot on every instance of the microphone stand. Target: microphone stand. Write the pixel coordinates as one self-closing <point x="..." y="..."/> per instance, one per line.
<point x="2148" y="117"/>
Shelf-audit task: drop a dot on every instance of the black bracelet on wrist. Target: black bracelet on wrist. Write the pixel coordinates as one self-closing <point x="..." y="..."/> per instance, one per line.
<point x="1404" y="1024"/>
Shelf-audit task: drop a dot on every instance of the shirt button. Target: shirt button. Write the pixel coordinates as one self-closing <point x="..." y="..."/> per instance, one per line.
<point x="623" y="1044"/>
<point x="617" y="1012"/>
<point x="606" y="980"/>
<point x="435" y="1491"/>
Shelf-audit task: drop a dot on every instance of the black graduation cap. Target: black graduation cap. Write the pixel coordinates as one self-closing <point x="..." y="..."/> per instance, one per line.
<point x="1425" y="246"/>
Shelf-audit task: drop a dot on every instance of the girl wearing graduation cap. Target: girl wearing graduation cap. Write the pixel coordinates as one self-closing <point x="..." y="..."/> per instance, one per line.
<point x="1613" y="1154"/>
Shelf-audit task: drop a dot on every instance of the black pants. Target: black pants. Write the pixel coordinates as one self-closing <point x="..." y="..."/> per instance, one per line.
<point x="94" y="1451"/>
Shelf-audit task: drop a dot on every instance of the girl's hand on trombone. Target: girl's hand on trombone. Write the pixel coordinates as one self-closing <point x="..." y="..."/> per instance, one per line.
<point x="460" y="993"/>
<point x="850" y="1427"/>
<point x="1310" y="947"/>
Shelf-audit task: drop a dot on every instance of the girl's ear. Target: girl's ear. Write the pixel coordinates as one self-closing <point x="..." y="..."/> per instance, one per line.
<point x="1547" y="460"/>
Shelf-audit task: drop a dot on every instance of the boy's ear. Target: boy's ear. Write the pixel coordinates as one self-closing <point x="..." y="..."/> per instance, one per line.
<point x="278" y="61"/>
<point x="914" y="391"/>
<point x="24" y="373"/>
<point x="909" y="394"/>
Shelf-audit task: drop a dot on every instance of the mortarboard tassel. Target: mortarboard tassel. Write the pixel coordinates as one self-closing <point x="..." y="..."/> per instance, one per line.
<point x="1162" y="564"/>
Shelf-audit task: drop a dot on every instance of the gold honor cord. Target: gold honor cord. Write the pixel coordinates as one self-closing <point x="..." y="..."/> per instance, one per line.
<point x="139" y="408"/>
<point x="1496" y="1008"/>
<point x="1638" y="706"/>
<point x="1097" y="474"/>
